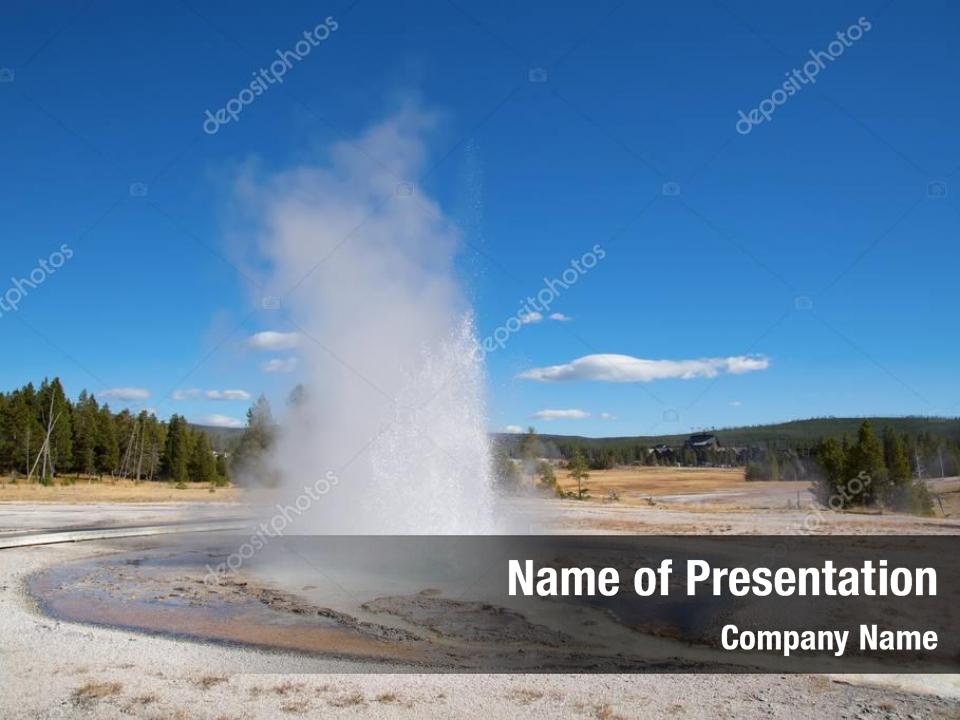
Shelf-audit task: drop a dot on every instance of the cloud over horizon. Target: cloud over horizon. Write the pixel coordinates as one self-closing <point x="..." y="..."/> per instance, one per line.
<point x="126" y="394"/>
<point x="280" y="365"/>
<point x="217" y="420"/>
<point x="272" y="340"/>
<point x="193" y="393"/>
<point x="572" y="414"/>
<point x="629" y="369"/>
<point x="227" y="395"/>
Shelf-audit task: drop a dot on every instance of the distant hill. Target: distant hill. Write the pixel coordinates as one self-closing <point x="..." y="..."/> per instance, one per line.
<point x="221" y="438"/>
<point x="796" y="433"/>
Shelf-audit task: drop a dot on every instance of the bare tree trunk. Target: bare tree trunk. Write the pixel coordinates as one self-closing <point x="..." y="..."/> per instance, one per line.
<point x="140" y="457"/>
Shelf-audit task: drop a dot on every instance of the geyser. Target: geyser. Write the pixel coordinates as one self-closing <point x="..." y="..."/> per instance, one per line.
<point x="394" y="393"/>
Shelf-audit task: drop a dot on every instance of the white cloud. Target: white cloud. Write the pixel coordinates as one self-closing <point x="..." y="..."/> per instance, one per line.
<point x="216" y="420"/>
<point x="193" y="393"/>
<point x="227" y="395"/>
<point x="736" y="403"/>
<point x="279" y="365"/>
<point x="125" y="394"/>
<point x="185" y="394"/>
<point x="746" y="363"/>
<point x="561" y="414"/>
<point x="607" y="416"/>
<point x="628" y="369"/>
<point x="531" y="317"/>
<point x="560" y="317"/>
<point x="515" y="429"/>
<point x="271" y="340"/>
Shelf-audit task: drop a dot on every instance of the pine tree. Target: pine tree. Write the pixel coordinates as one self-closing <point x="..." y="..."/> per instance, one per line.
<point x="21" y="433"/>
<point x="85" y="434"/>
<point x="895" y="458"/>
<point x="202" y="465"/>
<point x="298" y="396"/>
<point x="548" y="478"/>
<point x="902" y="491"/>
<point x="223" y="470"/>
<point x="832" y="457"/>
<point x="126" y="430"/>
<point x="866" y="462"/>
<point x="156" y="438"/>
<point x="773" y="466"/>
<point x="578" y="467"/>
<point x="176" y="451"/>
<point x="56" y="416"/>
<point x="530" y="450"/>
<point x="107" y="450"/>
<point x="250" y="457"/>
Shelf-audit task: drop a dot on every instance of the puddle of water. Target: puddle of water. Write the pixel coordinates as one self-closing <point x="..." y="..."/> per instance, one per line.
<point x="321" y="599"/>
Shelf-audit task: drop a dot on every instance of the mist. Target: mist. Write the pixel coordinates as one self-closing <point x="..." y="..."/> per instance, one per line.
<point x="393" y="410"/>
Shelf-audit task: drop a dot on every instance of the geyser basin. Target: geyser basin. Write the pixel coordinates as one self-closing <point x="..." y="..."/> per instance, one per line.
<point x="418" y="608"/>
<point x="442" y="603"/>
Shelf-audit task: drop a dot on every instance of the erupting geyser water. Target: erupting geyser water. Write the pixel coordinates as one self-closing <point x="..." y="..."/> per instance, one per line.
<point x="393" y="403"/>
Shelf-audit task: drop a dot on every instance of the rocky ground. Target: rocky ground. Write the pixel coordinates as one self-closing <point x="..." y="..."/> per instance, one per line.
<point x="54" y="669"/>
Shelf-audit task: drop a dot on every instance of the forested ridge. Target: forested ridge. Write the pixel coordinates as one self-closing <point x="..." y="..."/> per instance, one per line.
<point x="44" y="434"/>
<point x="931" y="444"/>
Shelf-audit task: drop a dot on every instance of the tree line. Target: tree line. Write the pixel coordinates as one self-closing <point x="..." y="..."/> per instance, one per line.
<point x="929" y="453"/>
<point x="874" y="471"/>
<point x="885" y="471"/>
<point x="43" y="435"/>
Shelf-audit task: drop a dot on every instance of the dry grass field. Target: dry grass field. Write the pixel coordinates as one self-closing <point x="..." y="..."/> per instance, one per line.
<point x="688" y="486"/>
<point x="657" y="480"/>
<point x="113" y="490"/>
<point x="708" y="491"/>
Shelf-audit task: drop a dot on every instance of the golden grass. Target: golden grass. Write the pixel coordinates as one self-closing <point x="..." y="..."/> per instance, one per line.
<point x="525" y="696"/>
<point x="94" y="691"/>
<point x="90" y="490"/>
<point x="209" y="681"/>
<point x="351" y="699"/>
<point x="639" y="482"/>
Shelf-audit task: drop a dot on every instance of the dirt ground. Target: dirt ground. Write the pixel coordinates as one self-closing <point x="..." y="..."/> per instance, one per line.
<point x="87" y="490"/>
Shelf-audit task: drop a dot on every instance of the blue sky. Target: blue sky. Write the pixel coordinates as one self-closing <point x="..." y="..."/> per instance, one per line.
<point x="823" y="241"/>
